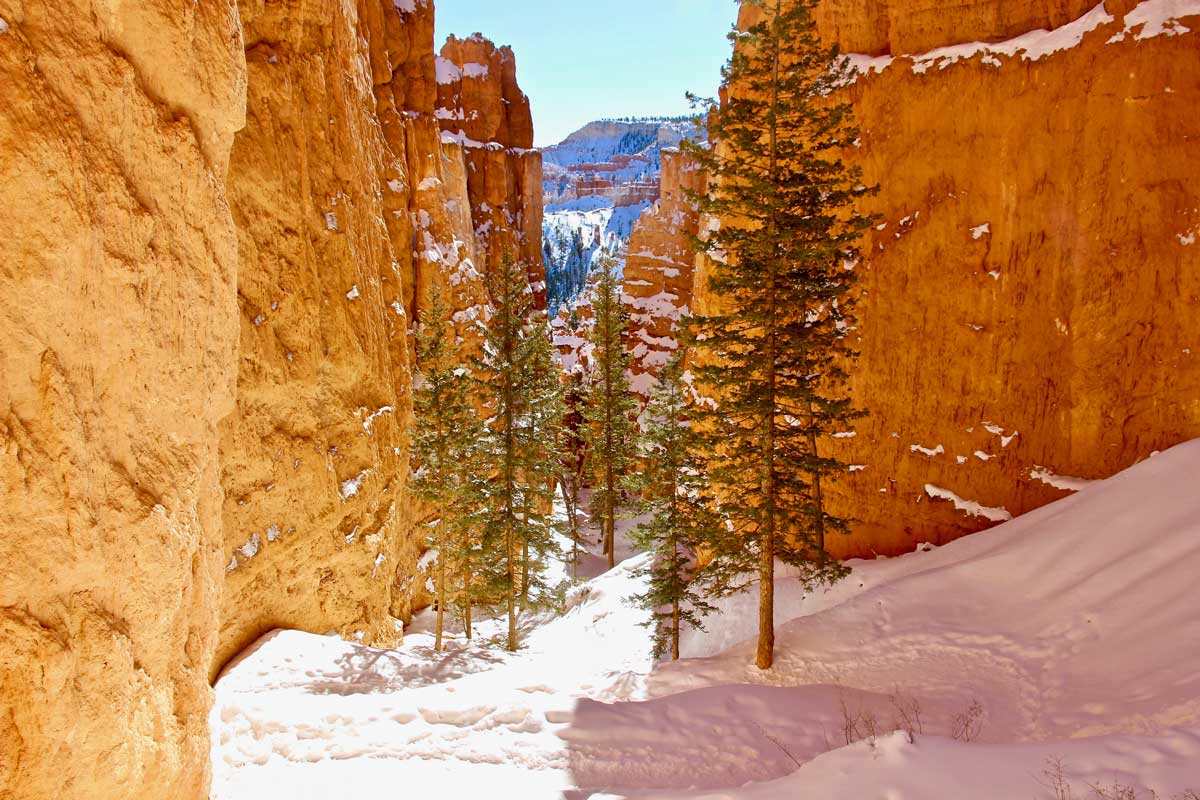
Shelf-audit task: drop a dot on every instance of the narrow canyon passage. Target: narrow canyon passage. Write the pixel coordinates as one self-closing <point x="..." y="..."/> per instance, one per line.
<point x="265" y="267"/>
<point x="585" y="711"/>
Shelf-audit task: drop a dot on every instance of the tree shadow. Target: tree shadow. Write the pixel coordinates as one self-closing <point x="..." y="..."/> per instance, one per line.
<point x="367" y="670"/>
<point x="713" y="738"/>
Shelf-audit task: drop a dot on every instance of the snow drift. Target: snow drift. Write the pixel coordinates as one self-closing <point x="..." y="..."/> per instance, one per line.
<point x="1073" y="630"/>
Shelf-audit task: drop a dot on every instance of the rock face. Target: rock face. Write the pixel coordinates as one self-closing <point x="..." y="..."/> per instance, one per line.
<point x="221" y="222"/>
<point x="350" y="202"/>
<point x="119" y="321"/>
<point x="481" y="108"/>
<point x="660" y="270"/>
<point x="1027" y="309"/>
<point x="878" y="27"/>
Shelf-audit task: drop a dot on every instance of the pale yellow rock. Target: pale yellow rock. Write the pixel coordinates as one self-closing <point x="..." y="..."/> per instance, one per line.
<point x="118" y="258"/>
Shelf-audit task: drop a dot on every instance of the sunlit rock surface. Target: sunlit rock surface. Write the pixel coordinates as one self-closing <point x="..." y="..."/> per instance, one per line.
<point x="118" y="264"/>
<point x="1025" y="321"/>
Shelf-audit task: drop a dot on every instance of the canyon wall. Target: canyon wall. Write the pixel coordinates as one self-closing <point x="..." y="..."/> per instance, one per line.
<point x="221" y="222"/>
<point x="660" y="270"/>
<point x="350" y="202"/>
<point x="1027" y="311"/>
<point x="481" y="108"/>
<point x="119" y="320"/>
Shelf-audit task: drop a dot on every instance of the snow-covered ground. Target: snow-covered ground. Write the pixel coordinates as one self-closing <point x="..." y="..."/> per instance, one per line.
<point x="1074" y="631"/>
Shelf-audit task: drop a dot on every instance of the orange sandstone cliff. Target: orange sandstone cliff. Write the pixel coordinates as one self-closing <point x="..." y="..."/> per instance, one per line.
<point x="1027" y="313"/>
<point x="660" y="270"/>
<point x="350" y="202"/>
<point x="220" y="222"/>
<point x="481" y="107"/>
<point x="119" y="321"/>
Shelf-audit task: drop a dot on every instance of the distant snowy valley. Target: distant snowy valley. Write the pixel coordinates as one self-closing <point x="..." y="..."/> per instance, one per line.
<point x="597" y="182"/>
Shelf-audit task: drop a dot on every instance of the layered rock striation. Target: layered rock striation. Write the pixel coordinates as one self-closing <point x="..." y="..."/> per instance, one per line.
<point x="1026" y="312"/>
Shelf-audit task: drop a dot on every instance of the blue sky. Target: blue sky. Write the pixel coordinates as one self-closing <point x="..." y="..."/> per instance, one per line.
<point x="580" y="61"/>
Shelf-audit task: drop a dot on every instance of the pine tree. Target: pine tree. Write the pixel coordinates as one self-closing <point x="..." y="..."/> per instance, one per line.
<point x="544" y="390"/>
<point x="520" y="384"/>
<point x="610" y="429"/>
<point x="681" y="518"/>
<point x="783" y="254"/>
<point x="445" y="443"/>
<point x="572" y="457"/>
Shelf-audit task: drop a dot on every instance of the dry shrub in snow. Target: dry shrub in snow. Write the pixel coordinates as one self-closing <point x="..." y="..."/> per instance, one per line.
<point x="858" y="725"/>
<point x="967" y="724"/>
<point x="908" y="715"/>
<point x="1054" y="778"/>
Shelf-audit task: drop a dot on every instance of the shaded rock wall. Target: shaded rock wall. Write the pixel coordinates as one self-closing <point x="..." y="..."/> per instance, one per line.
<point x="1027" y="309"/>
<point x="118" y="261"/>
<point x="351" y="203"/>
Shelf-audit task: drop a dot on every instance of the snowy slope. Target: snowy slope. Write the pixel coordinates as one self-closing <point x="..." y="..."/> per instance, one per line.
<point x="1075" y="628"/>
<point x="575" y="235"/>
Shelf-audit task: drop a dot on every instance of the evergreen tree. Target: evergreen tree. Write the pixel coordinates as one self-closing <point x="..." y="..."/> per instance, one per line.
<point x="775" y="350"/>
<point x="445" y="445"/>
<point x="572" y="457"/>
<point x="521" y="388"/>
<point x="681" y="519"/>
<point x="610" y="430"/>
<point x="543" y="432"/>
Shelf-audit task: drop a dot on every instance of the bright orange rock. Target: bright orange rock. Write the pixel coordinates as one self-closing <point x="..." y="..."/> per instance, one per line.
<point x="351" y="202"/>
<point x="1027" y="305"/>
<point x="660" y="270"/>
<point x="118" y="315"/>
<point x="481" y="107"/>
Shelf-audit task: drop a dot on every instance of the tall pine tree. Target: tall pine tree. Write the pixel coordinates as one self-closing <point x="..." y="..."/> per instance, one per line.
<point x="610" y="430"/>
<point x="572" y="462"/>
<point x="774" y="353"/>
<point x="521" y="388"/>
<point x="446" y="435"/>
<point x="681" y="516"/>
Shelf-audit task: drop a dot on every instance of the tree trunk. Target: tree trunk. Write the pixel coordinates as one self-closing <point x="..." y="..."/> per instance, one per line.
<point x="512" y="592"/>
<point x="466" y="597"/>
<point x="766" y="568"/>
<point x="676" y="578"/>
<point x="441" y="585"/>
<point x="675" y="631"/>
<point x="818" y="501"/>
<point x="766" y="603"/>
<point x="524" y="575"/>
<point x="609" y="517"/>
